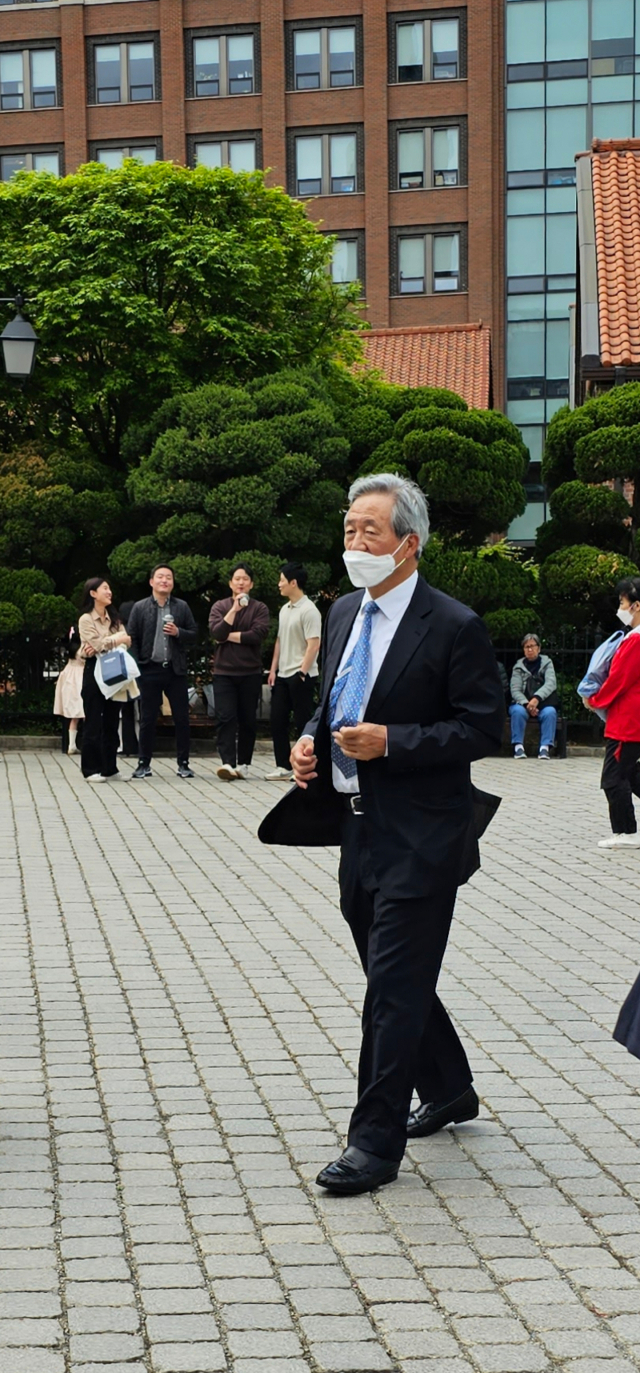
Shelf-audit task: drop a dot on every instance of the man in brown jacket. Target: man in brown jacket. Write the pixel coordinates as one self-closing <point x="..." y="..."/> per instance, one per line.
<point x="238" y="624"/>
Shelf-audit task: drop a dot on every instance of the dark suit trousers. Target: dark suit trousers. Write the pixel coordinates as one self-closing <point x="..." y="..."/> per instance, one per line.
<point x="155" y="679"/>
<point x="408" y="1039"/>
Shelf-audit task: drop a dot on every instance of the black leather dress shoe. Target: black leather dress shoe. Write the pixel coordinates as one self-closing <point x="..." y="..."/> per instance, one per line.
<point x="431" y="1116"/>
<point x="356" y="1171"/>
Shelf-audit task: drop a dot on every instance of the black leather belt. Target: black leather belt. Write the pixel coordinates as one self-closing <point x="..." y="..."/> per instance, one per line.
<point x="353" y="803"/>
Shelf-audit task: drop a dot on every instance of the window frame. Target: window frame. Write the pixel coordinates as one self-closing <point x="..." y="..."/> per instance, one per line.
<point x="325" y="132"/>
<point x="119" y="143"/>
<point x="235" y="136"/>
<point x="343" y="21"/>
<point x="26" y="47"/>
<point x="356" y="236"/>
<point x="19" y="150"/>
<point x="426" y="17"/>
<point x="428" y="232"/>
<point x="398" y="126"/>
<point x="123" y="41"/>
<point x="222" y="31"/>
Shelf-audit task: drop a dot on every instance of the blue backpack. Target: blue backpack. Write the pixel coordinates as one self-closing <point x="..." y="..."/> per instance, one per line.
<point x="600" y="667"/>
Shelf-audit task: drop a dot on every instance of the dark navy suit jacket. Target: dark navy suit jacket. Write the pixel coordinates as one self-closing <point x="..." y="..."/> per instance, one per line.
<point x="439" y="694"/>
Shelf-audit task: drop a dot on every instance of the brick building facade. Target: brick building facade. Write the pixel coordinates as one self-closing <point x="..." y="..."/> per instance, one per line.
<point x="388" y="117"/>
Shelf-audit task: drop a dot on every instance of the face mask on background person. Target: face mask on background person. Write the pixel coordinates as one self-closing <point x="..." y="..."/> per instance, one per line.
<point x="370" y="569"/>
<point x="626" y="616"/>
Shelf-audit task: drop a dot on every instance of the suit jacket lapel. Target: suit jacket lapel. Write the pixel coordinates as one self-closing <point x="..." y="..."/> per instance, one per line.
<point x="412" y="629"/>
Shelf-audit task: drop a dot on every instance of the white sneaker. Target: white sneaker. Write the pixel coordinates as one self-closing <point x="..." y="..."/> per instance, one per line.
<point x="629" y="841"/>
<point x="71" y="750"/>
<point x="226" y="773"/>
<point x="519" y="752"/>
<point x="618" y="841"/>
<point x="242" y="770"/>
<point x="279" y="775"/>
<point x="95" y="777"/>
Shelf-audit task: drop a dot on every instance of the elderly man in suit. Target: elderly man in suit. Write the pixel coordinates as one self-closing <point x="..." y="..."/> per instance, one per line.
<point x="410" y="698"/>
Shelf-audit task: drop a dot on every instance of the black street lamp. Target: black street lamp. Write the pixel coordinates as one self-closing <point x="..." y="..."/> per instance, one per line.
<point x="19" y="342"/>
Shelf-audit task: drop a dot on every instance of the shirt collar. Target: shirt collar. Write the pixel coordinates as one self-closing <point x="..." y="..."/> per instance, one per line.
<point x="394" y="602"/>
<point x="157" y="603"/>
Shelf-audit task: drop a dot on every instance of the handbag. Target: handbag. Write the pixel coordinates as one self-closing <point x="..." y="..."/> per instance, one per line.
<point x="534" y="682"/>
<point x="113" y="667"/>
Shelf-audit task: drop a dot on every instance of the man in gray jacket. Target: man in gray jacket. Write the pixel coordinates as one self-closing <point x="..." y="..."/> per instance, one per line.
<point x="162" y="628"/>
<point x="535" y="697"/>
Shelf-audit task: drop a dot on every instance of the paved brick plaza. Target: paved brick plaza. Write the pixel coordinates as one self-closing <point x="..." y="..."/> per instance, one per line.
<point x="179" y="1029"/>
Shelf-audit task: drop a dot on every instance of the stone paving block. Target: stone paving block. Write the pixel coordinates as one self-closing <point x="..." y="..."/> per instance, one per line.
<point x="30" y="1332"/>
<point x="87" y="1320"/>
<point x="264" y="1343"/>
<point x="523" y="1359"/>
<point x="351" y="1358"/>
<point x="188" y="1358"/>
<point x="105" y="1347"/>
<point x="30" y="1361"/>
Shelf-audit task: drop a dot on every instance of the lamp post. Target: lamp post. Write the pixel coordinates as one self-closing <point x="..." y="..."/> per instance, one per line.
<point x="19" y="342"/>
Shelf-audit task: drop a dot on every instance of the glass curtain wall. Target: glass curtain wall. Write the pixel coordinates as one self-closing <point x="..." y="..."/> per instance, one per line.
<point x="572" y="75"/>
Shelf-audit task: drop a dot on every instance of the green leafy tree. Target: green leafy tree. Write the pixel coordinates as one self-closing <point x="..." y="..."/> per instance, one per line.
<point x="588" y="451"/>
<point x="577" y="583"/>
<point x="470" y="463"/>
<point x="147" y="281"/>
<point x="28" y="604"/>
<point x="54" y="510"/>
<point x="261" y="467"/>
<point x="492" y="580"/>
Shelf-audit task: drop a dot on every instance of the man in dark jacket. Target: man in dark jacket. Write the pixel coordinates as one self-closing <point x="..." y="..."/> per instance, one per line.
<point x="410" y="698"/>
<point x="162" y="628"/>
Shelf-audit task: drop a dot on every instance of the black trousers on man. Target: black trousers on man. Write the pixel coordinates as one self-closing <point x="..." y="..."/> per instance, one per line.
<point x="155" y="679"/>
<point x="100" y="736"/>
<point x="236" y="702"/>
<point x="620" y="782"/>
<point x="290" y="695"/>
<point x="408" y="1039"/>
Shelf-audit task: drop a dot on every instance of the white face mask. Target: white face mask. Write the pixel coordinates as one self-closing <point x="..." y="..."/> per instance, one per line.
<point x="625" y="615"/>
<point x="370" y="569"/>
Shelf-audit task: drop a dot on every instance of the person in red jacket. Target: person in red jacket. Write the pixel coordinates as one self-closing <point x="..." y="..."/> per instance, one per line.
<point x="620" y="697"/>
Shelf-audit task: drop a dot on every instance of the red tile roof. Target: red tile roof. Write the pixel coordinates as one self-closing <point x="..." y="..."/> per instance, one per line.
<point x="615" y="166"/>
<point x="456" y="356"/>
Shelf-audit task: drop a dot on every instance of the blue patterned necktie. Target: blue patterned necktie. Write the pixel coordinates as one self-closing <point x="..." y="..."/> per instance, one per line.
<point x="347" y="692"/>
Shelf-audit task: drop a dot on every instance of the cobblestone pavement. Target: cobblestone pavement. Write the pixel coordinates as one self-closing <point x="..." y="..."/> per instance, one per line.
<point x="178" y="1036"/>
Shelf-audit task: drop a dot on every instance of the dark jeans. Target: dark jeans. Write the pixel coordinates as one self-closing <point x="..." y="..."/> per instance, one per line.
<point x="408" y="1039"/>
<point x="100" y="731"/>
<point x="620" y="782"/>
<point x="155" y="679"/>
<point x="290" y="695"/>
<point x="236" y="701"/>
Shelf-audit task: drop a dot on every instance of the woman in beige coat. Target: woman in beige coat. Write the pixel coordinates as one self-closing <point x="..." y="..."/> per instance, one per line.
<point x="101" y="630"/>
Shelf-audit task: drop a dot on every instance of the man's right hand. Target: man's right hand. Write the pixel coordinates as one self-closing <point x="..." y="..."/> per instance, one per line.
<point x="271" y="679"/>
<point x="304" y="762"/>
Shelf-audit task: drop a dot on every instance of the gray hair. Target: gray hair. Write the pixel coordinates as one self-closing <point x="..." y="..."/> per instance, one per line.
<point x="409" y="514"/>
<point x="531" y="638"/>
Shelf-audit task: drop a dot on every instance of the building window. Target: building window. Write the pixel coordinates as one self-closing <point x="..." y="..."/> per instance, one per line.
<point x="113" y="156"/>
<point x="237" y="153"/>
<point x="429" y="261"/>
<point x="324" y="58"/>
<point x="224" y="64"/>
<point x="327" y="164"/>
<point x="28" y="79"/>
<point x="427" y="50"/>
<point x="124" y="73"/>
<point x="347" y="263"/>
<point x="44" y="161"/>
<point x="428" y="157"/>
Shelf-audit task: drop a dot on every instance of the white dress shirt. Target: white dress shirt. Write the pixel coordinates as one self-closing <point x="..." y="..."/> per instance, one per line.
<point x="393" y="605"/>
